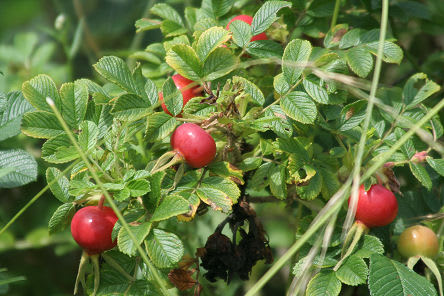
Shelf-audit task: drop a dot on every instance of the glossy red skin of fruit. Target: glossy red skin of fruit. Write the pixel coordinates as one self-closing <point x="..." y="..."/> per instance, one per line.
<point x="187" y="92"/>
<point x="194" y="144"/>
<point x="376" y="207"/>
<point x="248" y="19"/>
<point x="91" y="228"/>
<point x="418" y="240"/>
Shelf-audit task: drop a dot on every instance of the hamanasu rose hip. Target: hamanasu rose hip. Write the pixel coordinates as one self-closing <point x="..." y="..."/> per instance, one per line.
<point x="193" y="144"/>
<point x="376" y="207"/>
<point x="91" y="228"/>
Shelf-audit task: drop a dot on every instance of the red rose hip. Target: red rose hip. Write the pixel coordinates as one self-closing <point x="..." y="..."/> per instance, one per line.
<point x="194" y="144"/>
<point x="91" y="228"/>
<point x="247" y="19"/>
<point x="188" y="92"/>
<point x="376" y="207"/>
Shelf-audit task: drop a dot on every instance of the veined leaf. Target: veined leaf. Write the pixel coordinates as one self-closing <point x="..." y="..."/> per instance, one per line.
<point x="11" y="114"/>
<point x="219" y="63"/>
<point x="159" y="126"/>
<point x="412" y="95"/>
<point x="251" y="89"/>
<point x="295" y="55"/>
<point x="74" y="98"/>
<point x="401" y="280"/>
<point x="315" y="91"/>
<point x="219" y="193"/>
<point x="172" y="97"/>
<point x="241" y="33"/>
<point x="171" y="206"/>
<point x="421" y="174"/>
<point x="38" y="89"/>
<point x="165" y="11"/>
<point x="88" y="135"/>
<point x="300" y="107"/>
<point x="20" y="166"/>
<point x="324" y="283"/>
<point x="184" y="60"/>
<point x="165" y="249"/>
<point x="126" y="244"/>
<point x="115" y="70"/>
<point x="353" y="272"/>
<point x="59" y="150"/>
<point x="210" y="40"/>
<point x="266" y="15"/>
<point x="61" y="217"/>
<point x="60" y="187"/>
<point x="392" y="53"/>
<point x="130" y="107"/>
<point x="437" y="165"/>
<point x="41" y="124"/>
<point x="265" y="49"/>
<point x="360" y="61"/>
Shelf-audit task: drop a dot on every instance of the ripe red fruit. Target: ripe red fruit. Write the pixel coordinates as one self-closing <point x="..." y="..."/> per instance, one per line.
<point x="248" y="19"/>
<point x="376" y="207"/>
<point x="91" y="228"/>
<point x="418" y="240"/>
<point x="194" y="144"/>
<point x="188" y="93"/>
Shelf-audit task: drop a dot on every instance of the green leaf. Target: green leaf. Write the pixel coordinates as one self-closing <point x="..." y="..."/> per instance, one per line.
<point x="437" y="165"/>
<point x="59" y="150"/>
<point x="226" y="170"/>
<point x="165" y="249"/>
<point x="352" y="115"/>
<point x="324" y="283"/>
<point x="431" y="264"/>
<point x="167" y="12"/>
<point x="353" y="272"/>
<point x="115" y="70"/>
<point x="60" y="184"/>
<point x="151" y="92"/>
<point x="152" y="202"/>
<point x="219" y="193"/>
<point x="413" y="95"/>
<point x="221" y="7"/>
<point x="265" y="49"/>
<point x="266" y="15"/>
<point x="421" y="174"/>
<point x="184" y="60"/>
<point x="295" y="55"/>
<point x="351" y="38"/>
<point x="171" y="206"/>
<point x="219" y="63"/>
<point x="21" y="167"/>
<point x="172" y="97"/>
<point x="360" y="61"/>
<point x="386" y="273"/>
<point x="251" y="89"/>
<point x="145" y="24"/>
<point x="138" y="187"/>
<point x="368" y="246"/>
<point x="299" y="106"/>
<point x="282" y="127"/>
<point x="126" y="244"/>
<point x="74" y="98"/>
<point x="61" y="218"/>
<point x="160" y="125"/>
<point x="278" y="177"/>
<point x="41" y="124"/>
<point x="88" y="136"/>
<point x="312" y="189"/>
<point x="210" y="40"/>
<point x="280" y="84"/>
<point x="130" y="107"/>
<point x="38" y="89"/>
<point x="241" y="33"/>
<point x="316" y="91"/>
<point x="392" y="53"/>
<point x="11" y="114"/>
